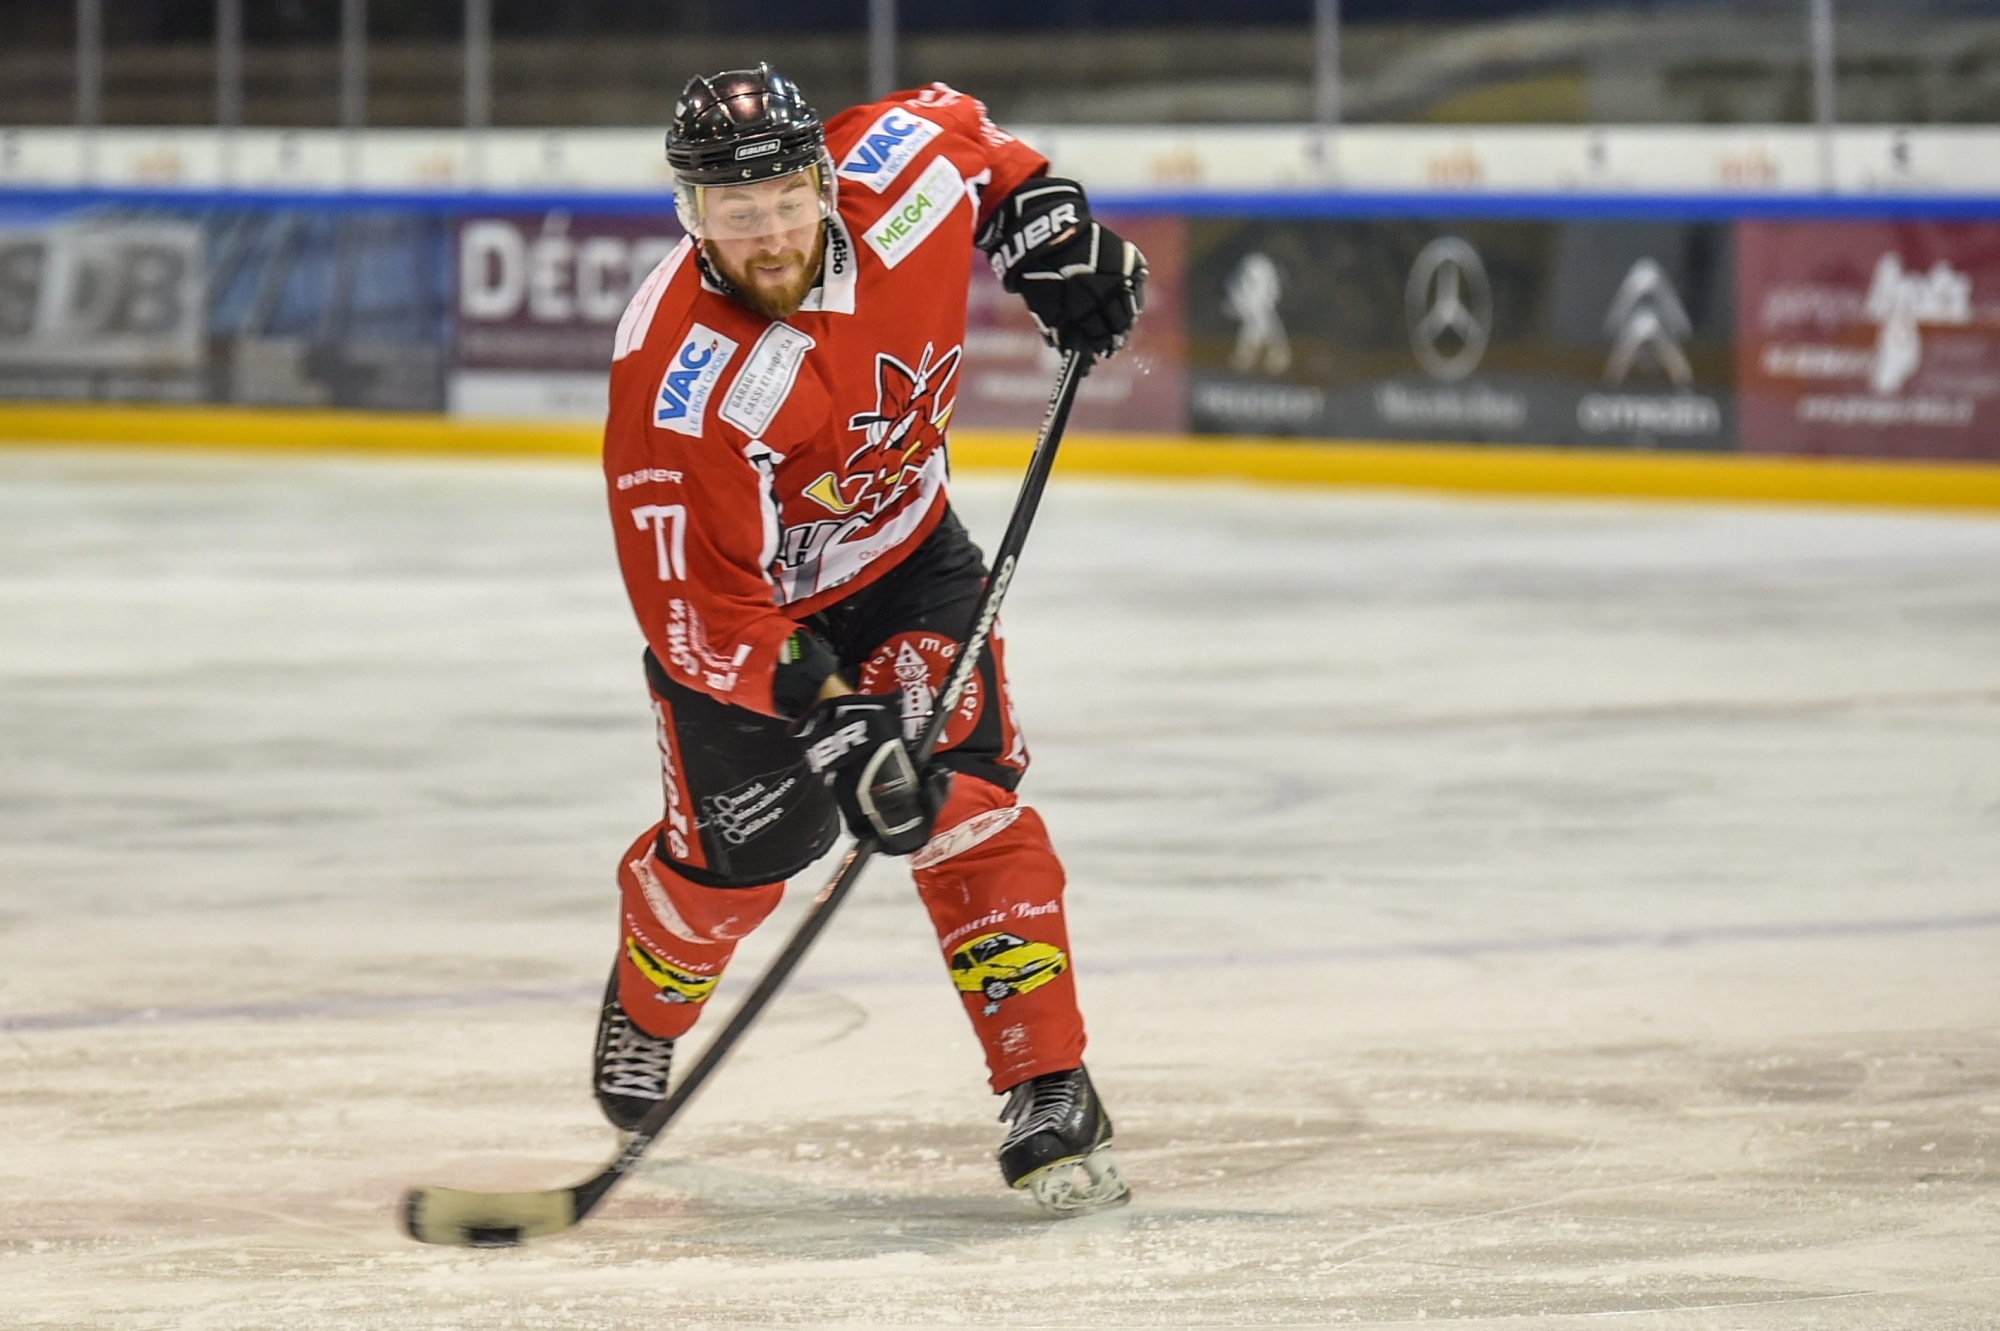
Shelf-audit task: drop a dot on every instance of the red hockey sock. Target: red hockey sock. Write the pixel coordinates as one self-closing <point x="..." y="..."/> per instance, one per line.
<point x="994" y="889"/>
<point x="678" y="936"/>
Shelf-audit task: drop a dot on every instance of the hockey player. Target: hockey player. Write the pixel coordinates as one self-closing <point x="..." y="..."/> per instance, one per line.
<point x="781" y="392"/>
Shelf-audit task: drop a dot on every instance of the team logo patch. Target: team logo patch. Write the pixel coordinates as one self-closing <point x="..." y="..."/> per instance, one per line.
<point x="1000" y="965"/>
<point x="690" y="378"/>
<point x="890" y="144"/>
<point x="914" y="666"/>
<point x="906" y="427"/>
<point x="914" y="216"/>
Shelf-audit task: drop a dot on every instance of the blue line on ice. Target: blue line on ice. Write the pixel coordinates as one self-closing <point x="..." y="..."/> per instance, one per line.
<point x="363" y="1005"/>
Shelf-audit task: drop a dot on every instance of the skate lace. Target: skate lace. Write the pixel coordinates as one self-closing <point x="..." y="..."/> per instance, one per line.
<point x="635" y="1063"/>
<point x="1040" y="1105"/>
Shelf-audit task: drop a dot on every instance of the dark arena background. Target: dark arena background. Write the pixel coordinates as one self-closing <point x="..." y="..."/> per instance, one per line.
<point x="1509" y="655"/>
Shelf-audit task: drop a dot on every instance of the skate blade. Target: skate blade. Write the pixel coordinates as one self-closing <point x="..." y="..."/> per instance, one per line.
<point x="1079" y="1185"/>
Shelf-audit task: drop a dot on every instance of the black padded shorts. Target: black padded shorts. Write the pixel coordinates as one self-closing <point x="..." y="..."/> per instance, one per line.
<point x="759" y="812"/>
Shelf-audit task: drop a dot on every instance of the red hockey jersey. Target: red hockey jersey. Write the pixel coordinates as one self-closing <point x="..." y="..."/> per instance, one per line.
<point x="760" y="470"/>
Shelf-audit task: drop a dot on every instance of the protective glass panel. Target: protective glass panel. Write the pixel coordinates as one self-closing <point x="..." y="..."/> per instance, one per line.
<point x="757" y="209"/>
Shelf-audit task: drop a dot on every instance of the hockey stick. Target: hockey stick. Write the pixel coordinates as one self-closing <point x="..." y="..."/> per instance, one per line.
<point x="502" y="1219"/>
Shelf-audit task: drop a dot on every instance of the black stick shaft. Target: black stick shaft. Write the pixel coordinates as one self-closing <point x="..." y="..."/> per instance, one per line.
<point x="1005" y="558"/>
<point x="589" y="1194"/>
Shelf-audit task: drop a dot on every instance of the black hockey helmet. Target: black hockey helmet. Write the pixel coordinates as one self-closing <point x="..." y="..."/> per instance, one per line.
<point x="742" y="125"/>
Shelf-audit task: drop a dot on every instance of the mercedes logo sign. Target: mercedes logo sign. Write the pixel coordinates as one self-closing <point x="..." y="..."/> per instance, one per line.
<point x="1449" y="307"/>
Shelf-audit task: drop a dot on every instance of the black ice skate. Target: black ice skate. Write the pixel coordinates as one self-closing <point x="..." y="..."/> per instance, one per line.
<point x="1059" y="1147"/>
<point x="629" y="1072"/>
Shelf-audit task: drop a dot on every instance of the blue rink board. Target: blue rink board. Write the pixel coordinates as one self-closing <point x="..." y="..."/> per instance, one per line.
<point x="19" y="203"/>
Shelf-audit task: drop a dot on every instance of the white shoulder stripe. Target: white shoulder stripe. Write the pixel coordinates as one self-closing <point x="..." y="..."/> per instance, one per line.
<point x="637" y="320"/>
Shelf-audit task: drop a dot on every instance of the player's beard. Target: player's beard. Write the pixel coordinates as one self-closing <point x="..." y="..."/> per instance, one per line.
<point x="777" y="302"/>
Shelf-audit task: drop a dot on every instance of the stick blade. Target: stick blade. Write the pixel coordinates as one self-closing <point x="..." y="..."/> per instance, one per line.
<point x="485" y="1219"/>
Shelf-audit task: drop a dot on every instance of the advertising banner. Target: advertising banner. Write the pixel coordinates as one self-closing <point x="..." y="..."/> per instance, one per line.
<point x="328" y="309"/>
<point x="271" y="306"/>
<point x="1009" y="370"/>
<point x="102" y="307"/>
<point x="539" y="296"/>
<point x="1602" y="334"/>
<point x="1870" y="338"/>
<point x="1828" y="336"/>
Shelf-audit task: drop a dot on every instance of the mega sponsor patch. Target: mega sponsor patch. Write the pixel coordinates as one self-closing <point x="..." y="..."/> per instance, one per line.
<point x="889" y="145"/>
<point x="690" y="378"/>
<point x="917" y="213"/>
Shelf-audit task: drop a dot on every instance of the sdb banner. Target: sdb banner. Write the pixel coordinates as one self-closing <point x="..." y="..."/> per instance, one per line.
<point x="102" y="306"/>
<point x="1602" y="334"/>
<point x="268" y="306"/>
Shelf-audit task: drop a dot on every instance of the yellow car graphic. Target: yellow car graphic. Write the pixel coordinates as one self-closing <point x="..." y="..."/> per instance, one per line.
<point x="675" y="986"/>
<point x="1000" y="965"/>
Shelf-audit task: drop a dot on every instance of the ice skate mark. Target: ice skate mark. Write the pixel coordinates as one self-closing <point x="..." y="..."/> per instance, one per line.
<point x="365" y="1225"/>
<point x="727" y="1202"/>
<point x="344" y="1005"/>
<point x="845" y="1014"/>
<point x="1719" y="711"/>
<point x="1804" y="931"/>
<point x="1412" y="1230"/>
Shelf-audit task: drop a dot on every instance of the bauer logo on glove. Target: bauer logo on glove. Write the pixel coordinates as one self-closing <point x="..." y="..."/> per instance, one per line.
<point x="827" y="754"/>
<point x="1083" y="283"/>
<point x="1037" y="232"/>
<point x="856" y="743"/>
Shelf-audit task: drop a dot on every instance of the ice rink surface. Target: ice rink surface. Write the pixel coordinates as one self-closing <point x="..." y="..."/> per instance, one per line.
<point x="1483" y="911"/>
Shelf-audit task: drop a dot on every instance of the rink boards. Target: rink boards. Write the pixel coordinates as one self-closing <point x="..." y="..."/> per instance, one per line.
<point x="1543" y="343"/>
<point x="1440" y="467"/>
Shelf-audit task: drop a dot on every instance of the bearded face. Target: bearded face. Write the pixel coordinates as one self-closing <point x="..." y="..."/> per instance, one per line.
<point x="767" y="239"/>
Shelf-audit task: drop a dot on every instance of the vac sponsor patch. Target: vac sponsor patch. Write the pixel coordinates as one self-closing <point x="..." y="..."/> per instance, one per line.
<point x="766" y="381"/>
<point x="691" y="376"/>
<point x="890" y="144"/>
<point x="914" y="216"/>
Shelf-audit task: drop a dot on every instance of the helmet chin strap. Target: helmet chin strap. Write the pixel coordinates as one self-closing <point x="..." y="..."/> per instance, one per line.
<point x="712" y="273"/>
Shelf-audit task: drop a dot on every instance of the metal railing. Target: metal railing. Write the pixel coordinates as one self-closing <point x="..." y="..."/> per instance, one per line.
<point x="1329" y="62"/>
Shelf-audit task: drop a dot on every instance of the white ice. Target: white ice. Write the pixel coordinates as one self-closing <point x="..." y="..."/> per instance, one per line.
<point x="1483" y="910"/>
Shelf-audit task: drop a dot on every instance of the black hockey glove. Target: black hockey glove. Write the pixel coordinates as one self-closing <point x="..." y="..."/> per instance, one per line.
<point x="1084" y="285"/>
<point x="855" y="743"/>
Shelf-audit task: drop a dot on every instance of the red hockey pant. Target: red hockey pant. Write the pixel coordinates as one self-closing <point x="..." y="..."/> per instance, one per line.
<point x="994" y="890"/>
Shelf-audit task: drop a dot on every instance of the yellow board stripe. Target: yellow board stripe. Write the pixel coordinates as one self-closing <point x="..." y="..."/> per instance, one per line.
<point x="1496" y="470"/>
<point x="283" y="431"/>
<point x="1510" y="471"/>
